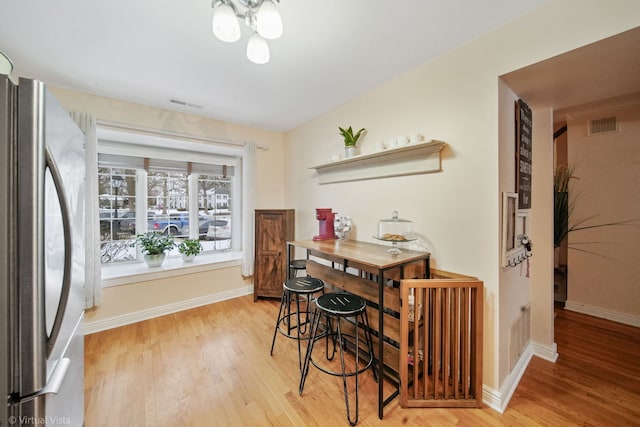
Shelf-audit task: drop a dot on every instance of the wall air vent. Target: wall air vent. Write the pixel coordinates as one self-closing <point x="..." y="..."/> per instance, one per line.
<point x="185" y="104"/>
<point x="519" y="336"/>
<point x="600" y="126"/>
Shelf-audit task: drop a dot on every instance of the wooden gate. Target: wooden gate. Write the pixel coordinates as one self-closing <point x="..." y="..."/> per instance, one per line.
<point x="441" y="341"/>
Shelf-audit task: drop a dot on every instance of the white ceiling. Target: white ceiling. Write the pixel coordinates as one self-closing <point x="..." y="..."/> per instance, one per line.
<point x="595" y="73"/>
<point x="152" y="51"/>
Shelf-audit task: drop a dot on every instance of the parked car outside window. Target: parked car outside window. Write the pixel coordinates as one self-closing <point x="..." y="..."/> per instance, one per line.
<point x="177" y="224"/>
<point x="129" y="221"/>
<point x="126" y="223"/>
<point x="105" y="222"/>
<point x="219" y="229"/>
<point x="174" y="224"/>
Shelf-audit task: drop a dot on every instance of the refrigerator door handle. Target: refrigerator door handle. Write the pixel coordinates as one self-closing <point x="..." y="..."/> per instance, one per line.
<point x="53" y="385"/>
<point x="66" y="225"/>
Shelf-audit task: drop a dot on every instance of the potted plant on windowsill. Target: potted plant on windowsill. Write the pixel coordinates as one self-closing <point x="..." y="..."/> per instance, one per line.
<point x="189" y="248"/>
<point x="154" y="245"/>
<point x="350" y="140"/>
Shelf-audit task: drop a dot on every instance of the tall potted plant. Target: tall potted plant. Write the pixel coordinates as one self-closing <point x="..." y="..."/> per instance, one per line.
<point x="154" y="245"/>
<point x="350" y="140"/>
<point x="562" y="209"/>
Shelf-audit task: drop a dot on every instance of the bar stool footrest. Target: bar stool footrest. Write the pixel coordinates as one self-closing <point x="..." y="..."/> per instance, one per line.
<point x="339" y="374"/>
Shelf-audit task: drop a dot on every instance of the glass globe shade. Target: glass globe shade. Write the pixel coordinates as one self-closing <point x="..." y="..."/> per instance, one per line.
<point x="6" y="66"/>
<point x="225" y="24"/>
<point x="258" y="49"/>
<point x="269" y="21"/>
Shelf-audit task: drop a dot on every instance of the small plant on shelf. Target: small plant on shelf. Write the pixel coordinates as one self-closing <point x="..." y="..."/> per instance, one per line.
<point x="350" y="139"/>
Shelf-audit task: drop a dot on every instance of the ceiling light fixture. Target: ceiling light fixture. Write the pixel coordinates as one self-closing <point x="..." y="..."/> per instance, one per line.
<point x="260" y="15"/>
<point x="6" y="66"/>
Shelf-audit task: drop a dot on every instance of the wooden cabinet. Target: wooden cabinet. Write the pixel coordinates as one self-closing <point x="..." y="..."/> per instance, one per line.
<point x="274" y="228"/>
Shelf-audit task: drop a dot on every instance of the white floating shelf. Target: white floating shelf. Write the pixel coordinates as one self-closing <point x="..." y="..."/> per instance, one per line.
<point x="409" y="159"/>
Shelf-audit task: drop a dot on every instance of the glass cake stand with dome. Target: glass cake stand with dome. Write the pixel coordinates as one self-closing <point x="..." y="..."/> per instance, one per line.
<point x="395" y="230"/>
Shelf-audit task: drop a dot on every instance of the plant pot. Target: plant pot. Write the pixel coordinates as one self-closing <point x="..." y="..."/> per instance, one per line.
<point x="188" y="258"/>
<point x="154" y="260"/>
<point x="350" y="151"/>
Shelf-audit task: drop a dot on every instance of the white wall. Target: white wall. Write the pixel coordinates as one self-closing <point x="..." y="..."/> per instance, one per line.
<point x="603" y="262"/>
<point x="452" y="210"/>
<point x="514" y="283"/>
<point x="541" y="218"/>
<point x="454" y="98"/>
<point x="145" y="299"/>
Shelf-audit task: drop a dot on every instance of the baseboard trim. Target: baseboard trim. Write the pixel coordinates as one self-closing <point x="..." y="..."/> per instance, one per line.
<point x="546" y="353"/>
<point x="491" y="398"/>
<point x="138" y="316"/>
<point x="616" y="316"/>
<point x="499" y="400"/>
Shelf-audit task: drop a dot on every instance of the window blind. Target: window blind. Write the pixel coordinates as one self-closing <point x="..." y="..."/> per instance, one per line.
<point x="218" y="165"/>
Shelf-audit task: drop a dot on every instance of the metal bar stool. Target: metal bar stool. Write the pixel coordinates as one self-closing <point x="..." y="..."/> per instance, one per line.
<point x="297" y="265"/>
<point x="296" y="290"/>
<point x="340" y="305"/>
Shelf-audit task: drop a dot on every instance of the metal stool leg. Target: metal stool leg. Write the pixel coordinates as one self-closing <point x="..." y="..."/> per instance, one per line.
<point x="288" y="315"/>
<point x="332" y="335"/>
<point x="275" y="332"/>
<point x="342" y="307"/>
<point x="298" y="326"/>
<point x="369" y="342"/>
<point x="315" y="320"/>
<point x="306" y="315"/>
<point x="344" y="376"/>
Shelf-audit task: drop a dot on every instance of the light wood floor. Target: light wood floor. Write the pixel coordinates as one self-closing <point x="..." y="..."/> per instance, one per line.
<point x="211" y="366"/>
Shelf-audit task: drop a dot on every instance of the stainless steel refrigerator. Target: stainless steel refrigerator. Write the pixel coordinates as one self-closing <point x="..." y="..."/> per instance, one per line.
<point x="42" y="186"/>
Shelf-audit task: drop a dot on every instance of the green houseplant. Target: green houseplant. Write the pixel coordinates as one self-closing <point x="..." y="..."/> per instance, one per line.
<point x="350" y="139"/>
<point x="154" y="245"/>
<point x="189" y="248"/>
<point x="562" y="209"/>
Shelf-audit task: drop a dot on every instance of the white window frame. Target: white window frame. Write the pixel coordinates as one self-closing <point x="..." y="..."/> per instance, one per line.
<point x="140" y="144"/>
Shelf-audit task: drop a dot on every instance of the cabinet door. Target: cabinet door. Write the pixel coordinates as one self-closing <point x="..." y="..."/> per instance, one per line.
<point x="270" y="254"/>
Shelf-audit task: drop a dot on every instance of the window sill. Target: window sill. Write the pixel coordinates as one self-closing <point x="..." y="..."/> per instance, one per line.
<point x="125" y="274"/>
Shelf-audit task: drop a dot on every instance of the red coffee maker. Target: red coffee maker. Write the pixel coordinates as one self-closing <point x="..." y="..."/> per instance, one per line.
<point x="326" y="217"/>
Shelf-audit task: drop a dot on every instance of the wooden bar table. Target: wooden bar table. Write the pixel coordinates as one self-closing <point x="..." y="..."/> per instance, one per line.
<point x="369" y="271"/>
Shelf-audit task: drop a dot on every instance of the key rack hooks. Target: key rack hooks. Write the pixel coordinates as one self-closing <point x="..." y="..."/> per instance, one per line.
<point x="516" y="245"/>
<point x="518" y="259"/>
<point x="524" y="253"/>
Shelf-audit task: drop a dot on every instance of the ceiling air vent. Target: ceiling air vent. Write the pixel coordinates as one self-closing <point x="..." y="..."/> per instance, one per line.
<point x="600" y="126"/>
<point x="185" y="104"/>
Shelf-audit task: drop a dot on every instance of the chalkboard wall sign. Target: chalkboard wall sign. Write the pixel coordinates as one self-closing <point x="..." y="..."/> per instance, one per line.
<point x="523" y="154"/>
